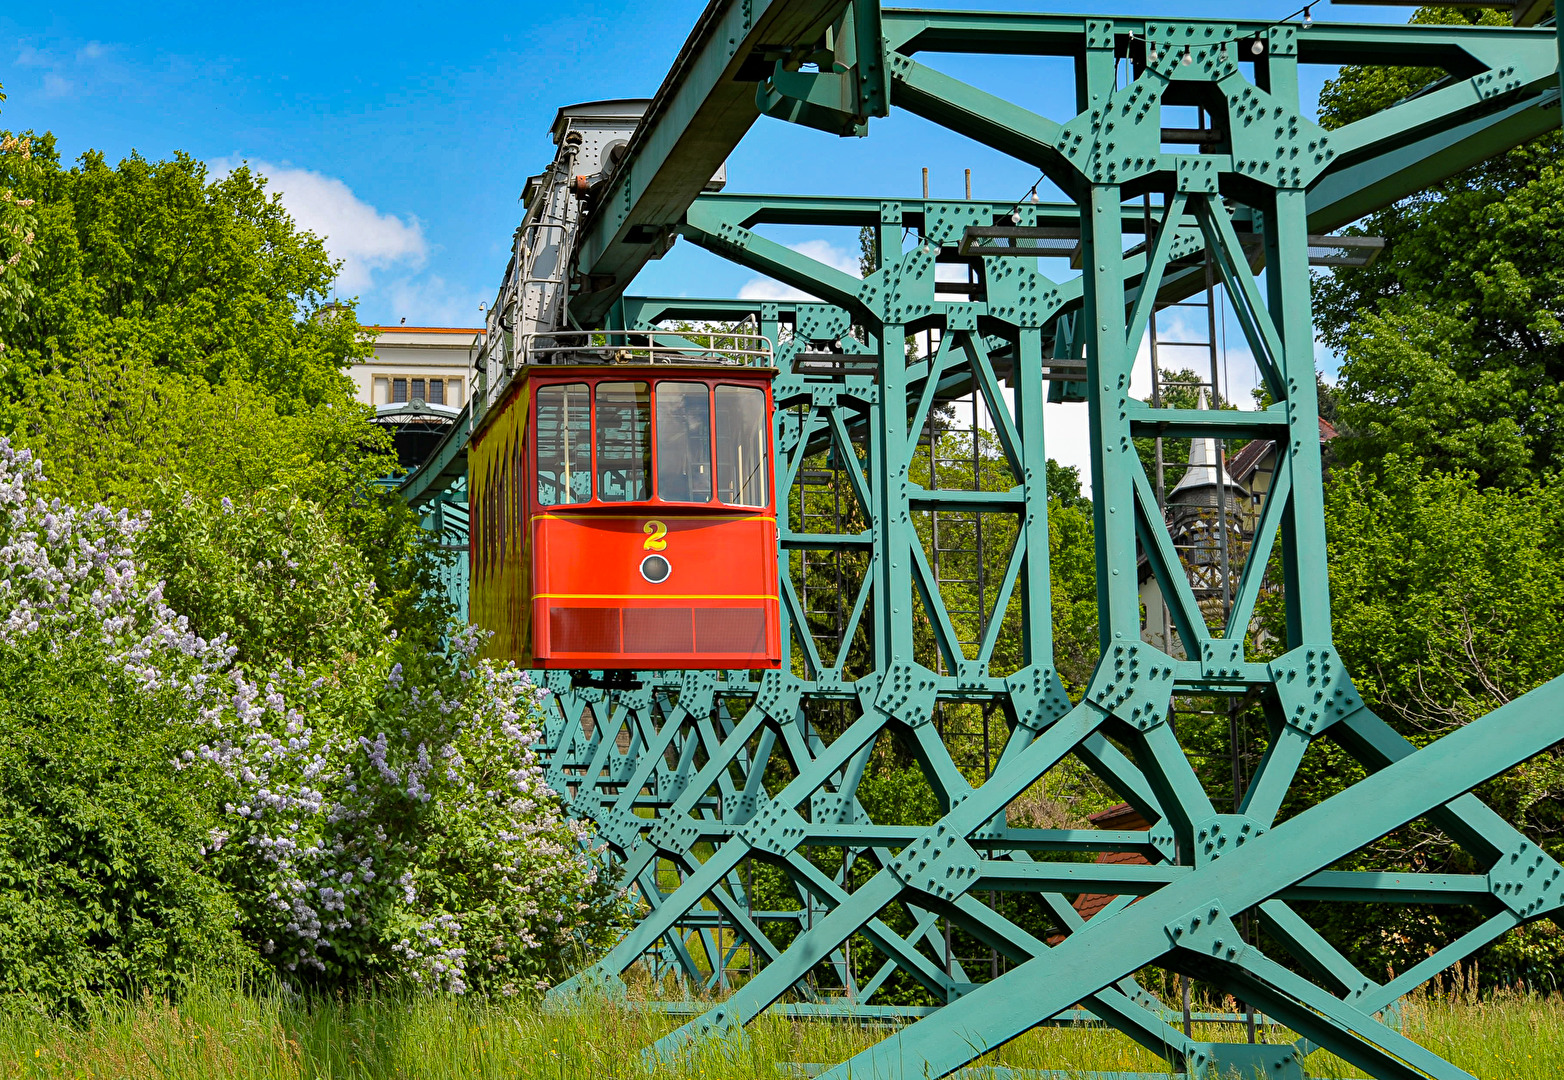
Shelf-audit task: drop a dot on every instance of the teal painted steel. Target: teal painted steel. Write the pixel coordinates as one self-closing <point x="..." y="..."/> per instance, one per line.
<point x="445" y="515"/>
<point x="699" y="781"/>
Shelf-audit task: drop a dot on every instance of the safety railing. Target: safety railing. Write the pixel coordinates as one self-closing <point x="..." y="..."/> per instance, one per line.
<point x="715" y="347"/>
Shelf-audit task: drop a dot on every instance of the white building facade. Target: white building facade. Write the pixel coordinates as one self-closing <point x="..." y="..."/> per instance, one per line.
<point x="432" y="364"/>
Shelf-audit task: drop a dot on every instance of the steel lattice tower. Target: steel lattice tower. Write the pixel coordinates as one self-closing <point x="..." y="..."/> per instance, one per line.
<point x="696" y="779"/>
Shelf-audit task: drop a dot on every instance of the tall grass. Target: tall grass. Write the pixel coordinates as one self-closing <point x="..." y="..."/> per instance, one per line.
<point x="220" y="1032"/>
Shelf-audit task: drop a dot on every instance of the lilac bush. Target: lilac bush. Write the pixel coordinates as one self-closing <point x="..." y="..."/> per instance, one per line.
<point x="376" y="809"/>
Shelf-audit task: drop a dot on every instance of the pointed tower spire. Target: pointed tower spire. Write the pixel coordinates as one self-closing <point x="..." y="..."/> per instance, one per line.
<point x="1203" y="469"/>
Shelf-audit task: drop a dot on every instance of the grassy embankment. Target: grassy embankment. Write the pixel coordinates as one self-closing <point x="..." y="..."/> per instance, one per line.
<point x="222" y="1034"/>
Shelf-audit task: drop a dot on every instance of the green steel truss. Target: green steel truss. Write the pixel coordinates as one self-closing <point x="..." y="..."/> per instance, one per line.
<point x="695" y="779"/>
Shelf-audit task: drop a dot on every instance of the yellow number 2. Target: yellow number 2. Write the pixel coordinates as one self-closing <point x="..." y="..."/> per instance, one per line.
<point x="655" y="531"/>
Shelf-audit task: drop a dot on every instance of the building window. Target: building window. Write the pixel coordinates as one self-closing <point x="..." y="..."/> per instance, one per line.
<point x="400" y="389"/>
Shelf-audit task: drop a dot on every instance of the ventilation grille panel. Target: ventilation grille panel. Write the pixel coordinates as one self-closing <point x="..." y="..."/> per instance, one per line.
<point x="730" y="630"/>
<point x="737" y="631"/>
<point x="586" y="630"/>
<point x="658" y="630"/>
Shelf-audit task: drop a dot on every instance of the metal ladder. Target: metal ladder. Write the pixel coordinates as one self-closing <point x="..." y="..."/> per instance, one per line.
<point x="1206" y="553"/>
<point x="959" y="557"/>
<point x="823" y="584"/>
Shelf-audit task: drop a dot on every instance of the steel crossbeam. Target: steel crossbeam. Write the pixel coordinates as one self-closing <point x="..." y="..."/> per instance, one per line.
<point x="755" y="791"/>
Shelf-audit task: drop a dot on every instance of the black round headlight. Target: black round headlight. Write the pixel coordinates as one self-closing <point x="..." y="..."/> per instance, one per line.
<point x="655" y="568"/>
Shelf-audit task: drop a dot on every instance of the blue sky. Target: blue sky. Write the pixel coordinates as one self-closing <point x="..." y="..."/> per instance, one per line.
<point x="404" y="133"/>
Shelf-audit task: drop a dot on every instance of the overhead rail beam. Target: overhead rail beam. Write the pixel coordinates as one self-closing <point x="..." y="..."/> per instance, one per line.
<point x="703" y="108"/>
<point x="707" y="103"/>
<point x="1034" y="243"/>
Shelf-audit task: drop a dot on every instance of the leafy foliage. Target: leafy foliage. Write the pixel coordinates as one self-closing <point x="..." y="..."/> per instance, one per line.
<point x="319" y="795"/>
<point x="269" y="575"/>
<point x="102" y="881"/>
<point x="1451" y="339"/>
<point x="1448" y="597"/>
<point x="292" y="771"/>
<point x="18" y="255"/>
<point x="1448" y="600"/>
<point x="180" y="331"/>
<point x="197" y="275"/>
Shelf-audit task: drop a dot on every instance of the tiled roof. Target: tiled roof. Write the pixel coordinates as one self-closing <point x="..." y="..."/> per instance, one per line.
<point x="1241" y="466"/>
<point x="426" y="329"/>
<point x="1122" y="817"/>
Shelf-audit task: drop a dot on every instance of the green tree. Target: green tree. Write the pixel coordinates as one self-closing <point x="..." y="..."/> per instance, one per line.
<point x="198" y="275"/>
<point x="266" y="778"/>
<point x="102" y="882"/>
<point x="269" y="573"/>
<point x="1447" y="600"/>
<point x="178" y="329"/>
<point x="1451" y="339"/>
<point x="1064" y="484"/>
<point x="122" y="431"/>
<point x="1444" y="525"/>
<point x="18" y="233"/>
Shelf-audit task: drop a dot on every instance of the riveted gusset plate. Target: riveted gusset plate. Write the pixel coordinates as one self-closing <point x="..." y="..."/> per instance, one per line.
<point x="673" y="835"/>
<point x="1134" y="683"/>
<point x="1314" y="688"/>
<point x="1219" y="834"/>
<point x="907" y="693"/>
<point x="940" y="863"/>
<point x="774" y="829"/>
<point x="1207" y="931"/>
<point x="1527" y="880"/>
<point x="1037" y="696"/>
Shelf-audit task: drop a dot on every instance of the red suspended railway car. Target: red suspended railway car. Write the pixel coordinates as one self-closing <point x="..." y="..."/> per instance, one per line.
<point x="624" y="518"/>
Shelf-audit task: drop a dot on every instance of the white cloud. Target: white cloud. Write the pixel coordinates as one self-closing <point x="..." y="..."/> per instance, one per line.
<point x="432" y="301"/>
<point x="1067" y="427"/>
<point x="1067" y="438"/>
<point x="764" y="288"/>
<point x="365" y="239"/>
<point x="1237" y="371"/>
<point x="63" y="73"/>
<point x="828" y="253"/>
